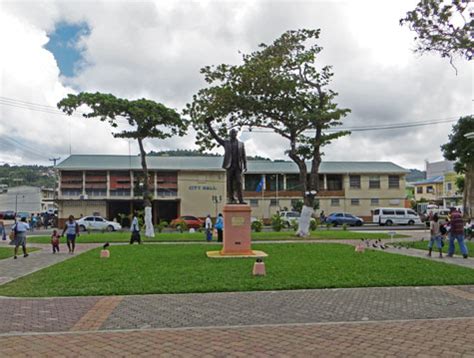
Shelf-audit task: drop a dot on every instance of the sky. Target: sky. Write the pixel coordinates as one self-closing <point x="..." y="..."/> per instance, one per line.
<point x="155" y="49"/>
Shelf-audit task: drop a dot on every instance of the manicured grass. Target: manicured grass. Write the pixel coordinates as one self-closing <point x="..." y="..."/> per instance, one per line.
<point x="423" y="245"/>
<point x="144" y="269"/>
<point x="200" y="236"/>
<point x="6" y="252"/>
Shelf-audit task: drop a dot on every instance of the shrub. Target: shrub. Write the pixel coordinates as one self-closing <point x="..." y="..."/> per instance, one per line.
<point x="328" y="226"/>
<point x="313" y="225"/>
<point x="294" y="224"/>
<point x="182" y="227"/>
<point x="277" y="223"/>
<point x="257" y="225"/>
<point x="344" y="227"/>
<point x="162" y="225"/>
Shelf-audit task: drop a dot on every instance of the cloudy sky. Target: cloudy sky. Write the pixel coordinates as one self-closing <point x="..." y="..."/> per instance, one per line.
<point x="149" y="49"/>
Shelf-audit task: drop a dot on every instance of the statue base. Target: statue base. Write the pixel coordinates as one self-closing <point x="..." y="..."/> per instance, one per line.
<point x="237" y="240"/>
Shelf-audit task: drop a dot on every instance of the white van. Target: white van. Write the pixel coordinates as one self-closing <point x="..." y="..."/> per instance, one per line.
<point x="390" y="216"/>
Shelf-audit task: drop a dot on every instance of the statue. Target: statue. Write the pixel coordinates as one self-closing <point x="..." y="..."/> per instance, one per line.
<point x="234" y="163"/>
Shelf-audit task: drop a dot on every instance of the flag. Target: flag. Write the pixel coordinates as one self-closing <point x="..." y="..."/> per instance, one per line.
<point x="260" y="185"/>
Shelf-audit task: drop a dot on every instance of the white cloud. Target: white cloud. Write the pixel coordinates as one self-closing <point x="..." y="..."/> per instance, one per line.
<point x="155" y="50"/>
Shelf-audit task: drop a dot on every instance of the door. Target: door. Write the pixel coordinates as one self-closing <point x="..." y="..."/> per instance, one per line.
<point x="99" y="223"/>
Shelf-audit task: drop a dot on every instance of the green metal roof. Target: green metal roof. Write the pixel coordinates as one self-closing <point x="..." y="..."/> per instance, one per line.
<point x="125" y="162"/>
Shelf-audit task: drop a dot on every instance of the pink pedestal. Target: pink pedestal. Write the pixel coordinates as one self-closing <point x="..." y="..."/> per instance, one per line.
<point x="237" y="240"/>
<point x="259" y="269"/>
<point x="104" y="254"/>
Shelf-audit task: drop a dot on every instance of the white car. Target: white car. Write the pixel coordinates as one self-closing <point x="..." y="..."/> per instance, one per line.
<point x="97" y="223"/>
<point x="288" y="217"/>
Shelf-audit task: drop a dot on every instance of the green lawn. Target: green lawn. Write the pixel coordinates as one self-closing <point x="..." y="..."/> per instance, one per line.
<point x="145" y="269"/>
<point x="200" y="236"/>
<point x="6" y="252"/>
<point x="424" y="246"/>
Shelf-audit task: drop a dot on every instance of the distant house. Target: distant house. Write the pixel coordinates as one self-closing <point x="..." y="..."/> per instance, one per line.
<point x="30" y="199"/>
<point x="440" y="186"/>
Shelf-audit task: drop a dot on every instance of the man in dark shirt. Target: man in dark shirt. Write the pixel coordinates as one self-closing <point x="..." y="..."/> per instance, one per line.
<point x="456" y="233"/>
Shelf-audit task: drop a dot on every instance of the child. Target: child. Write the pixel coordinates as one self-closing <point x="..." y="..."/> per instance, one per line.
<point x="55" y="241"/>
<point x="436" y="236"/>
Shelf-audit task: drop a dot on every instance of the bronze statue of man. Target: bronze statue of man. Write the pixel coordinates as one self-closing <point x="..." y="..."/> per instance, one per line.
<point x="234" y="163"/>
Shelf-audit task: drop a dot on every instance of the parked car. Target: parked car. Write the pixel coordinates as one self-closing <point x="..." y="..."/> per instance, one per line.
<point x="344" y="218"/>
<point x="9" y="215"/>
<point x="390" y="216"/>
<point x="97" y="223"/>
<point x="191" y="222"/>
<point x="22" y="214"/>
<point x="288" y="217"/>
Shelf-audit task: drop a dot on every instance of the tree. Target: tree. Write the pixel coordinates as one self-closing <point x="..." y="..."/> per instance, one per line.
<point x="443" y="27"/>
<point x="146" y="118"/>
<point x="461" y="149"/>
<point x="279" y="88"/>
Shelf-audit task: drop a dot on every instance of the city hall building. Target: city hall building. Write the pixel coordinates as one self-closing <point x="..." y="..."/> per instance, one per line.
<point x="112" y="185"/>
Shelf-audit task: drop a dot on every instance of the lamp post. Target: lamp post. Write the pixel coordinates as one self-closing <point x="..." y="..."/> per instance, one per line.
<point x="216" y="199"/>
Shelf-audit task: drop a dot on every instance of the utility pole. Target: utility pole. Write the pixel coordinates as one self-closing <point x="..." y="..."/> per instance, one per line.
<point x="54" y="160"/>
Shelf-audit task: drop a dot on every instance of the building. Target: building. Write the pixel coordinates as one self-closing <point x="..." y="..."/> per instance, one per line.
<point x="110" y="185"/>
<point x="30" y="199"/>
<point x="440" y="186"/>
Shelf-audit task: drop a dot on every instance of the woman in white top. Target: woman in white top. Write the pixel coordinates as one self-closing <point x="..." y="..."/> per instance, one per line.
<point x="19" y="238"/>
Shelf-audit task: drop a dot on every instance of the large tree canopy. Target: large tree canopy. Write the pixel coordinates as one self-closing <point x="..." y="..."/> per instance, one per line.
<point x="280" y="88"/>
<point x="145" y="119"/>
<point x="461" y="149"/>
<point x="443" y="27"/>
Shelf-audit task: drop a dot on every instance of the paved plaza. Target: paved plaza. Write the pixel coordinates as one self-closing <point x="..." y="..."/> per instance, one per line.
<point x="356" y="322"/>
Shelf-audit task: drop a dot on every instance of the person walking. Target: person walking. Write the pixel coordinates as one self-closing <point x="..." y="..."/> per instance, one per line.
<point x="219" y="227"/>
<point x="71" y="228"/>
<point x="135" y="230"/>
<point x="456" y="233"/>
<point x="19" y="236"/>
<point x="435" y="230"/>
<point x="208" y="227"/>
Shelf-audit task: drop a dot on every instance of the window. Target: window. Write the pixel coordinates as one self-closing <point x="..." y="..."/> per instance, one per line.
<point x="354" y="181"/>
<point x="374" y="182"/>
<point x="253" y="202"/>
<point x="430" y="189"/>
<point x="273" y="202"/>
<point x="376" y="212"/>
<point x="71" y="192"/>
<point x="388" y="212"/>
<point x="374" y="201"/>
<point x="99" y="219"/>
<point x="393" y="182"/>
<point x="334" y="182"/>
<point x="400" y="212"/>
<point x="449" y="186"/>
<point x="411" y="212"/>
<point x="89" y="218"/>
<point x="334" y="202"/>
<point x="419" y="190"/>
<point x="355" y="202"/>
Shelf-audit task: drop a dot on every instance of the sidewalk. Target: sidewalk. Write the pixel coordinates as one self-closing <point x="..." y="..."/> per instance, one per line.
<point x="11" y="269"/>
<point x="359" y="322"/>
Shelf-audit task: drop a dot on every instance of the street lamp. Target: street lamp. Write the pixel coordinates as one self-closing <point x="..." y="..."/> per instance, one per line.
<point x="216" y="200"/>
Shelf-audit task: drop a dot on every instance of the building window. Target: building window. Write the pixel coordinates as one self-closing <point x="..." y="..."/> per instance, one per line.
<point x="71" y="192"/>
<point x="393" y="182"/>
<point x="354" y="181"/>
<point x="449" y="186"/>
<point x="96" y="192"/>
<point x="334" y="182"/>
<point x="253" y="202"/>
<point x="374" y="182"/>
<point x="273" y="202"/>
<point x="334" y="202"/>
<point x="374" y="201"/>
<point x="419" y="190"/>
<point x="293" y="182"/>
<point x="355" y="202"/>
<point x="430" y="189"/>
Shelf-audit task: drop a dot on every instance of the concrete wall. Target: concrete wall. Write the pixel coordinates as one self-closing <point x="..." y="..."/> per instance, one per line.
<point x="197" y="189"/>
<point x="78" y="207"/>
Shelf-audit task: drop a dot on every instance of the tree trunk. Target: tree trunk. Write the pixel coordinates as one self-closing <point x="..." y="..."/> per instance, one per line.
<point x="468" y="195"/>
<point x="149" y="230"/>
